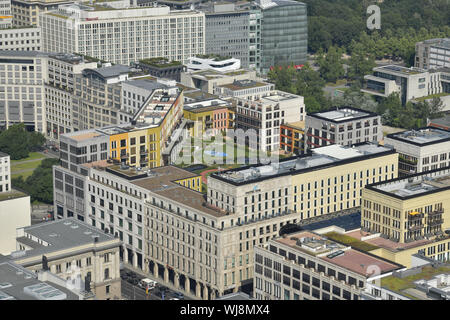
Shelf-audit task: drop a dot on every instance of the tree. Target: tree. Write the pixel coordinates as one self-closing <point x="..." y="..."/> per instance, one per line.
<point x="40" y="184"/>
<point x="283" y="76"/>
<point x="17" y="142"/>
<point x="331" y="66"/>
<point x="360" y="63"/>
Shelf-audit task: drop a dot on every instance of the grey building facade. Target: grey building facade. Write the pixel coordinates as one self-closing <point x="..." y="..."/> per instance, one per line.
<point x="433" y="54"/>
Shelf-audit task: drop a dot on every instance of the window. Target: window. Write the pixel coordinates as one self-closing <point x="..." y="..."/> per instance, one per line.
<point x="106" y="273"/>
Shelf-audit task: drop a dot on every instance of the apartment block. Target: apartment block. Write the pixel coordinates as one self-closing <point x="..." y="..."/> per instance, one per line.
<point x="421" y="150"/>
<point x="345" y="126"/>
<point x="327" y="180"/>
<point x="122" y="34"/>
<point x="63" y="70"/>
<point x="410" y="214"/>
<point x="144" y="142"/>
<point x="22" y="92"/>
<point x="24" y="39"/>
<point x="73" y="251"/>
<point x="168" y="229"/>
<point x="433" y="54"/>
<point x="409" y="83"/>
<point x="266" y="114"/>
<point x="215" y="115"/>
<point x="308" y="266"/>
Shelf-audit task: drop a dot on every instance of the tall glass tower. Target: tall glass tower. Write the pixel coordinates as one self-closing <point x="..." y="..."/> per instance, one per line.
<point x="284" y="33"/>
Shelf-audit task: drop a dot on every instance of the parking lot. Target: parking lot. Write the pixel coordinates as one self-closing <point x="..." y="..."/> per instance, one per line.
<point x="131" y="290"/>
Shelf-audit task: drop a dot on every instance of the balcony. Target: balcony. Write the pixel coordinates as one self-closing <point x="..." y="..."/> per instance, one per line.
<point x="415" y="216"/>
<point x="124" y="156"/>
<point x="436" y="212"/>
<point x="414" y="227"/>
<point x="435" y="222"/>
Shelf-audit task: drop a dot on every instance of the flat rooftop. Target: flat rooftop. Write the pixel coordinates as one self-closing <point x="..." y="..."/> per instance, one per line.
<point x="12" y="194"/>
<point x="324" y="157"/>
<point x="59" y="235"/>
<point x="416" y="185"/>
<point x="444" y="121"/>
<point x="17" y="283"/>
<point x="343" y="114"/>
<point x="244" y="84"/>
<point x="439" y="42"/>
<point x="296" y="125"/>
<point x="336" y="253"/>
<point x="422" y="137"/>
<point x="399" y="70"/>
<point x="206" y="105"/>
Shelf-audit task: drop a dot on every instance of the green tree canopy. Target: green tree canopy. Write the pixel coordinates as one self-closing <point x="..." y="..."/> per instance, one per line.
<point x="17" y="142"/>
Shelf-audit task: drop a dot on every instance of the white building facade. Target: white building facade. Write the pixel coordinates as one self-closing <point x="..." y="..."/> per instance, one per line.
<point x="124" y="36"/>
<point x="24" y="39"/>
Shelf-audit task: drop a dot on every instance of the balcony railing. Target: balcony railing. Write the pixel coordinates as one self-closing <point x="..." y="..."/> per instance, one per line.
<point x="414" y="227"/>
<point x="415" y="216"/>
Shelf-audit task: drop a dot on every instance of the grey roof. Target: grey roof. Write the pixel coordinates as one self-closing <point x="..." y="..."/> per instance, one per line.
<point x="62" y="234"/>
<point x="2" y="154"/>
<point x="422" y="136"/>
<point x="444" y="121"/>
<point x="146" y="84"/>
<point x="17" y="283"/>
<point x="112" y="71"/>
<point x="19" y="54"/>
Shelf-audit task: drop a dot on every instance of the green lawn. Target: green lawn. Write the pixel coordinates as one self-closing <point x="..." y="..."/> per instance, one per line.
<point x="347" y="240"/>
<point x="25" y="165"/>
<point x="24" y="175"/>
<point x="337" y="83"/>
<point x="31" y="156"/>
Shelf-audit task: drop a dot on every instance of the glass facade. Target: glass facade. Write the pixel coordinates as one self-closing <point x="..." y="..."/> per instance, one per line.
<point x="283" y="34"/>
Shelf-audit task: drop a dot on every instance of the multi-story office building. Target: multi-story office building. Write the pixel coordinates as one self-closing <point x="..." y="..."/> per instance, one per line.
<point x="168" y="229"/>
<point x="24" y="39"/>
<point x="5" y="172"/>
<point x="433" y="54"/>
<point x="207" y="80"/>
<point x="27" y="12"/>
<point x="308" y="266"/>
<point x="328" y="180"/>
<point x="284" y="33"/>
<point x="266" y="114"/>
<point x="63" y="70"/>
<point x="409" y="83"/>
<point x="74" y="251"/>
<point x="410" y="214"/>
<point x="234" y="32"/>
<point x="5" y="14"/>
<point x="292" y="137"/>
<point x="245" y="89"/>
<point x="420" y="150"/>
<point x="345" y="126"/>
<point x="14" y="208"/>
<point x="124" y="35"/>
<point x="22" y="94"/>
<point x="141" y="143"/>
<point x="213" y="62"/>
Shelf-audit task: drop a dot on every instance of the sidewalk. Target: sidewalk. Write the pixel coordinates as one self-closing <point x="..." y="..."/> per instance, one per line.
<point x="159" y="280"/>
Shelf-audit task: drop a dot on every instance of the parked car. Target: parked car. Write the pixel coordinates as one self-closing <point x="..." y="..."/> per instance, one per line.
<point x="178" y="295"/>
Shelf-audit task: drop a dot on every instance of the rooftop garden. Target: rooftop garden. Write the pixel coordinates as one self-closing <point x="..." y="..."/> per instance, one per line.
<point x="350" y="241"/>
<point x="432" y="96"/>
<point x="160" y="62"/>
<point x="11" y="195"/>
<point x="399" y="284"/>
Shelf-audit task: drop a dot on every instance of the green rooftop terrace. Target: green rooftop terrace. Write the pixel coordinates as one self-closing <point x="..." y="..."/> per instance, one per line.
<point x="350" y="241"/>
<point x="216" y="57"/>
<point x="160" y="62"/>
<point x="400" y="284"/>
<point x="13" y="194"/>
